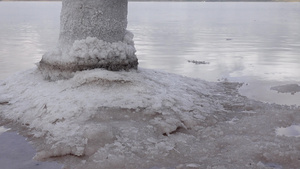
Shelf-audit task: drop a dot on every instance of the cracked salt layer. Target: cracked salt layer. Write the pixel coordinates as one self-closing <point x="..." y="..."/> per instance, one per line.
<point x="291" y="131"/>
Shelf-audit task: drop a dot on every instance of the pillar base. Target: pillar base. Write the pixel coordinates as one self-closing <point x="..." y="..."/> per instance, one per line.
<point x="89" y="53"/>
<point x="59" y="72"/>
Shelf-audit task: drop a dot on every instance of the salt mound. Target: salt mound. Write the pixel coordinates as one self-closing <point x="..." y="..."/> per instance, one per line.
<point x="144" y="118"/>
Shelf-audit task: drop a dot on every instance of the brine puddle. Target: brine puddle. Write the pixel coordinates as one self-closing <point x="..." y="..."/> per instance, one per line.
<point x="291" y="131"/>
<point x="16" y="153"/>
<point x="283" y="93"/>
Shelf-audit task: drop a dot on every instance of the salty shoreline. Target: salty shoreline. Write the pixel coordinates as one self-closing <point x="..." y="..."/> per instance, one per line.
<point x="147" y="115"/>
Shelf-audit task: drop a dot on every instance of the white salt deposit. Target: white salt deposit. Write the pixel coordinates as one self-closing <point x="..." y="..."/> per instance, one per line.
<point x="87" y="54"/>
<point x="2" y="130"/>
<point x="144" y="118"/>
<point x="91" y="49"/>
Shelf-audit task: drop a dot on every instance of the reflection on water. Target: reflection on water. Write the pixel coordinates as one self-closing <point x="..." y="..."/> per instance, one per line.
<point x="16" y="153"/>
<point x="28" y="29"/>
<point x="259" y="40"/>
<point x="254" y="43"/>
<point x="262" y="90"/>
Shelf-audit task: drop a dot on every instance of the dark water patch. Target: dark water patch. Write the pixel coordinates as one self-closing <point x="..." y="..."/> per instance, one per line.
<point x="289" y="88"/>
<point x="16" y="153"/>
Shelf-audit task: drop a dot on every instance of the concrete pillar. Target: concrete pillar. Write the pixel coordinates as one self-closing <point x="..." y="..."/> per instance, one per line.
<point x="92" y="35"/>
<point x="103" y="19"/>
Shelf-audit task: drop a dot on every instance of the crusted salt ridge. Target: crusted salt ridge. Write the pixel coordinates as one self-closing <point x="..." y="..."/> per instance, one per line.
<point x="144" y="118"/>
<point x="65" y="112"/>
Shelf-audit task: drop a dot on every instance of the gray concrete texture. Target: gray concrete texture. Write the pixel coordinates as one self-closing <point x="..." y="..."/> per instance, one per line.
<point x="104" y="19"/>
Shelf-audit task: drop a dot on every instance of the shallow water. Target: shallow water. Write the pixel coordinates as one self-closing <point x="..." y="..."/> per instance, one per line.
<point x="254" y="43"/>
<point x="253" y="40"/>
<point x="16" y="153"/>
<point x="291" y="131"/>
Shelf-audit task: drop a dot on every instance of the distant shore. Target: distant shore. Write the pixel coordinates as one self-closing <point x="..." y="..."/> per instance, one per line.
<point x="188" y="0"/>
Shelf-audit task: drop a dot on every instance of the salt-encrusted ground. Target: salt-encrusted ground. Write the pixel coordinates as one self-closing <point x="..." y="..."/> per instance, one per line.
<point x="145" y="118"/>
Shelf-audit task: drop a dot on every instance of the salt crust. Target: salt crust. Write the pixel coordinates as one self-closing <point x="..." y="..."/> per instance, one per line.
<point x="91" y="48"/>
<point x="145" y="118"/>
<point x="89" y="53"/>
